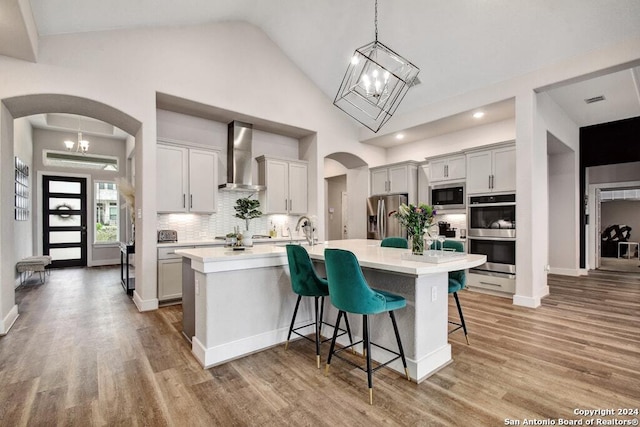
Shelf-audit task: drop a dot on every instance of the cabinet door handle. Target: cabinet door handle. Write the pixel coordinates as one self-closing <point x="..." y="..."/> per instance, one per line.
<point x="492" y="182"/>
<point x="184" y="201"/>
<point x="446" y="171"/>
<point x="490" y="284"/>
<point x="286" y="204"/>
<point x="190" y="201"/>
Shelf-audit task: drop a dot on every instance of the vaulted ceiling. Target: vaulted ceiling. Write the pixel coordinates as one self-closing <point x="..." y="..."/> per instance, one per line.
<point x="459" y="45"/>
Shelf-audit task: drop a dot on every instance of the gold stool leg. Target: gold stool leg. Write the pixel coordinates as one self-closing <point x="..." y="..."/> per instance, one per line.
<point x="370" y="396"/>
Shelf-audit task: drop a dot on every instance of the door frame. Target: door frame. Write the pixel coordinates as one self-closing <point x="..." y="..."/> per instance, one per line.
<point x="593" y="210"/>
<point x="37" y="211"/>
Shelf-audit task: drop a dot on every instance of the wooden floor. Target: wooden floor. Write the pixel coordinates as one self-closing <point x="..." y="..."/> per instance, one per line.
<point x="81" y="354"/>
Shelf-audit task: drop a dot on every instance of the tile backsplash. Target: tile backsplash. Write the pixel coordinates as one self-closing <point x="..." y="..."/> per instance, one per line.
<point x="195" y="227"/>
<point x="457" y="221"/>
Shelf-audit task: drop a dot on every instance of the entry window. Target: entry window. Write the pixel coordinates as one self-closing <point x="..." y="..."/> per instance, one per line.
<point x="107" y="212"/>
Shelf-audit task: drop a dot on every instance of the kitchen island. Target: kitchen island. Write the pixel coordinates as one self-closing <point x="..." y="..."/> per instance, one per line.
<point x="244" y="302"/>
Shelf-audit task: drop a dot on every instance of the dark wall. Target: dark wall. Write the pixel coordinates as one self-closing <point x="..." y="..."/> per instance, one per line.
<point x="605" y="144"/>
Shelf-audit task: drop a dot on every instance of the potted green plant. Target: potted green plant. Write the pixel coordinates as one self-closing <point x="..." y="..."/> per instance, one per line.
<point x="247" y="209"/>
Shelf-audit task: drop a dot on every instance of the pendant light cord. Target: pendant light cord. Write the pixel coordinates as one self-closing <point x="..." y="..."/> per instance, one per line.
<point x="376" y="20"/>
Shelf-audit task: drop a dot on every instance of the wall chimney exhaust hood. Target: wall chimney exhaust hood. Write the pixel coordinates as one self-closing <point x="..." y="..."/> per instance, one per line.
<point x="240" y="158"/>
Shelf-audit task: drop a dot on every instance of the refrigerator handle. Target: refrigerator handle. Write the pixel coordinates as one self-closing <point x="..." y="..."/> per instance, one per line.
<point x="383" y="221"/>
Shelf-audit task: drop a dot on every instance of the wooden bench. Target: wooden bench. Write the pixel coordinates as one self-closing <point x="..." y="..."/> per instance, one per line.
<point x="33" y="264"/>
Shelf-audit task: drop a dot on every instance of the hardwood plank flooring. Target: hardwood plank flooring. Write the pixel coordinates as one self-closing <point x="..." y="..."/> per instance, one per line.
<point x="81" y="354"/>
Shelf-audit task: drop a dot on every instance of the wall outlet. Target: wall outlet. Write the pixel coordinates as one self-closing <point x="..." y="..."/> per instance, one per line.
<point x="197" y="287"/>
<point x="547" y="267"/>
<point x="434" y="293"/>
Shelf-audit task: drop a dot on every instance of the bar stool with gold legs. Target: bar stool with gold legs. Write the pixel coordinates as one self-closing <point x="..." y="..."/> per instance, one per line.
<point x="457" y="282"/>
<point x="350" y="293"/>
<point x="306" y="282"/>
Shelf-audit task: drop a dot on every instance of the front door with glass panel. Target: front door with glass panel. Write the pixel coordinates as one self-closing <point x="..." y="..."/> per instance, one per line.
<point x="65" y="220"/>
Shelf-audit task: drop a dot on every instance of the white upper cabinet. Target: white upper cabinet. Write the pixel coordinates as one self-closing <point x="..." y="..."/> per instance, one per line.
<point x="396" y="178"/>
<point x="286" y="182"/>
<point x="448" y="169"/>
<point x="187" y="179"/>
<point x="203" y="181"/>
<point x="492" y="170"/>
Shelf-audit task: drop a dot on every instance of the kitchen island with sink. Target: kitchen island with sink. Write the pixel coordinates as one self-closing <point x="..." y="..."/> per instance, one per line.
<point x="243" y="301"/>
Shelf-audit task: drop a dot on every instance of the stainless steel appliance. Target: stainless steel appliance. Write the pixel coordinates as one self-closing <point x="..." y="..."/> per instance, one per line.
<point x="379" y="223"/>
<point x="240" y="158"/>
<point x="446" y="197"/>
<point x="492" y="232"/>
<point x="165" y="236"/>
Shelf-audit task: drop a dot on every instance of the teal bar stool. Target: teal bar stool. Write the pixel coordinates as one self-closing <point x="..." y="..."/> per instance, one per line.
<point x="306" y="282"/>
<point x="457" y="282"/>
<point x="350" y="293"/>
<point x="395" y="242"/>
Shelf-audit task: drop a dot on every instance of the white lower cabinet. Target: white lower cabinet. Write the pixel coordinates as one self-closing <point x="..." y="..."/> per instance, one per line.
<point x="502" y="286"/>
<point x="170" y="273"/>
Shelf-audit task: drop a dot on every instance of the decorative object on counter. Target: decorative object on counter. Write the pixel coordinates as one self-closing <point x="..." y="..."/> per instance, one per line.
<point x="128" y="193"/>
<point x="375" y="83"/>
<point x="272" y="231"/>
<point x="247" y="209"/>
<point x="416" y="219"/>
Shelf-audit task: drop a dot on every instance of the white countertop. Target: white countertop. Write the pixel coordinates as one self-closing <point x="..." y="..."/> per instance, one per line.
<point x="368" y="252"/>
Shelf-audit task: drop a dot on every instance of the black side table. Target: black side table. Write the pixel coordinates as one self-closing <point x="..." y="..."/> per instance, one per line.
<point x="128" y="283"/>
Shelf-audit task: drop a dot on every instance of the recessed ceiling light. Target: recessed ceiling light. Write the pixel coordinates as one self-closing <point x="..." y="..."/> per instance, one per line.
<point x="400" y="136"/>
<point x="478" y="114"/>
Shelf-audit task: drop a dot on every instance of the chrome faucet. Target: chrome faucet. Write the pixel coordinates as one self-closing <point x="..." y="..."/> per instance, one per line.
<point x="307" y="228"/>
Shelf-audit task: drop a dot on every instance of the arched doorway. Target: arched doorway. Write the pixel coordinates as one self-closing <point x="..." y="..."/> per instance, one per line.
<point x="18" y="107"/>
<point x="346" y="187"/>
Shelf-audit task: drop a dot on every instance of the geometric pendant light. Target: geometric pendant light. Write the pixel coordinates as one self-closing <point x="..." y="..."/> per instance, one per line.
<point x="376" y="80"/>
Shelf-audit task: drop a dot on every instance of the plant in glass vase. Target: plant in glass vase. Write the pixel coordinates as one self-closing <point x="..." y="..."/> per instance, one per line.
<point x="416" y="219"/>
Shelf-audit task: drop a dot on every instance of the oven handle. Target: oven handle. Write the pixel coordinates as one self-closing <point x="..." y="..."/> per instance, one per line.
<point x="481" y="205"/>
<point x="500" y="238"/>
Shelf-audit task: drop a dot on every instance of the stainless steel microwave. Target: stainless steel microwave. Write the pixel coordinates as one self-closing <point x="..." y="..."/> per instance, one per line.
<point x="448" y="196"/>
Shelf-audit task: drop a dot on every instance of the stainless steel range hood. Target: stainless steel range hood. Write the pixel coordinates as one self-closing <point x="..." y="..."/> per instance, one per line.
<point x="240" y="158"/>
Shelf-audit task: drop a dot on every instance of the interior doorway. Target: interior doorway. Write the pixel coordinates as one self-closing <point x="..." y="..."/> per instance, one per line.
<point x="616" y="226"/>
<point x="64" y="220"/>
<point x="336" y="187"/>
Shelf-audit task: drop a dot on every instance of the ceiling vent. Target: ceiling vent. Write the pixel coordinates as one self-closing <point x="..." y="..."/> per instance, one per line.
<point x="595" y="99"/>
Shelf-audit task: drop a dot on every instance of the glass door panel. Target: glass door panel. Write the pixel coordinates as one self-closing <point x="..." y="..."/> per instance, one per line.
<point x="65" y="220"/>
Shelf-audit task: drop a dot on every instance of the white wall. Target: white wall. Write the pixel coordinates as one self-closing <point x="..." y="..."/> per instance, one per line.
<point x="563" y="242"/>
<point x="454" y="141"/>
<point x="563" y="188"/>
<point x="335" y="186"/>
<point x="621" y="172"/>
<point x="23" y="230"/>
<point x="619" y="212"/>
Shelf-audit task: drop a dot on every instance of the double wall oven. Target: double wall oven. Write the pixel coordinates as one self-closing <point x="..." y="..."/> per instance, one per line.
<point x="492" y="232"/>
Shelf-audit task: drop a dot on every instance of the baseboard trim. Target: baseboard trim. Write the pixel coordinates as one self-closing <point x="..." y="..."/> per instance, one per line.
<point x="565" y="271"/>
<point x="144" y="305"/>
<point x="9" y="320"/>
<point x="530" y="302"/>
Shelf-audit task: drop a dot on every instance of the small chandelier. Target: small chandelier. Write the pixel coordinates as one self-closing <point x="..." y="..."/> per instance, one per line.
<point x="376" y="80"/>
<point x="82" y="147"/>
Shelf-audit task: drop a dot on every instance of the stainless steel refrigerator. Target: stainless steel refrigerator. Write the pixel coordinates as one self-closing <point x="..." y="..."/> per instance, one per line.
<point x="379" y="223"/>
